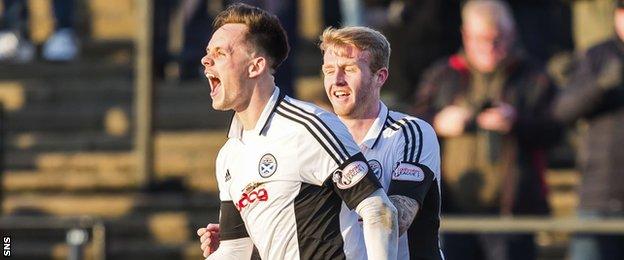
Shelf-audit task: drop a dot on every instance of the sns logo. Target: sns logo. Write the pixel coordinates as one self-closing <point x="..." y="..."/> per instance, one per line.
<point x="408" y="172"/>
<point x="6" y="248"/>
<point x="249" y="198"/>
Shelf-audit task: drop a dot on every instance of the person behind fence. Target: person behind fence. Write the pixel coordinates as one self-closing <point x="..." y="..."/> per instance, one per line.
<point x="595" y="98"/>
<point x="15" y="43"/>
<point x="490" y="104"/>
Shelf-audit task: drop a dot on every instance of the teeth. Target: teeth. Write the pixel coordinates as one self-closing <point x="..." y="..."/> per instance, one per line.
<point x="212" y="79"/>
<point x="340" y="93"/>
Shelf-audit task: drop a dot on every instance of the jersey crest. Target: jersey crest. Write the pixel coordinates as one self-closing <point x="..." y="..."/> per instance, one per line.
<point x="376" y="168"/>
<point x="267" y="165"/>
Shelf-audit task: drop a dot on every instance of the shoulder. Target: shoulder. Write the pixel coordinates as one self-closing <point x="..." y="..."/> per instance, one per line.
<point x="454" y="64"/>
<point x="397" y="121"/>
<point x="603" y="48"/>
<point x="308" y="115"/>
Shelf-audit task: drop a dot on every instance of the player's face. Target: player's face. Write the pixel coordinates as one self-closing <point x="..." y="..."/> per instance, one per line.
<point x="349" y="83"/>
<point x="225" y="66"/>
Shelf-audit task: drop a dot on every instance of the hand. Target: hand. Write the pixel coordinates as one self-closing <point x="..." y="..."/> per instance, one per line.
<point x="499" y="118"/>
<point x="451" y="120"/>
<point x="209" y="238"/>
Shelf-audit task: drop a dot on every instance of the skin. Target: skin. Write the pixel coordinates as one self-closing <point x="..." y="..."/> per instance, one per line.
<point x="346" y="70"/>
<point x="619" y="22"/>
<point x="244" y="80"/>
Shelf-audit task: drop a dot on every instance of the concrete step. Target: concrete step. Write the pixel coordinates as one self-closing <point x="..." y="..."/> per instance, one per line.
<point x="92" y="116"/>
<point x="66" y="141"/>
<point x="112" y="89"/>
<point x="110" y="205"/>
<point x="563" y="179"/>
<point x="194" y="148"/>
<point x="121" y="250"/>
<point x="88" y="70"/>
<point x="80" y="182"/>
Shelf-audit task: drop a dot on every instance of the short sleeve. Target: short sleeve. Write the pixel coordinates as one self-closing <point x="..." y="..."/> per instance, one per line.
<point x="417" y="161"/>
<point x="230" y="220"/>
<point x="222" y="174"/>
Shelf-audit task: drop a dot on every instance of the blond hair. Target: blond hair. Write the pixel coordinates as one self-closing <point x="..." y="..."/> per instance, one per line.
<point x="364" y="38"/>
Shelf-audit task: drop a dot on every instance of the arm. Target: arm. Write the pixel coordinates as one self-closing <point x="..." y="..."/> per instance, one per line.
<point x="234" y="249"/>
<point x="588" y="90"/>
<point x="379" y="219"/>
<point x="407" y="208"/>
<point x="235" y="243"/>
<point x="414" y="174"/>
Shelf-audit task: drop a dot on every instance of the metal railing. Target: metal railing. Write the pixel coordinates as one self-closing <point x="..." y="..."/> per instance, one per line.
<point x="476" y="224"/>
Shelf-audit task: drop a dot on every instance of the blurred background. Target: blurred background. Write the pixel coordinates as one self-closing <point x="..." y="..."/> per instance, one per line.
<point x="87" y="173"/>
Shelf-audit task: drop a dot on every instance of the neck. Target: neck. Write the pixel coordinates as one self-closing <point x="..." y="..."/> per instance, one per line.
<point x="359" y="126"/>
<point x="262" y="91"/>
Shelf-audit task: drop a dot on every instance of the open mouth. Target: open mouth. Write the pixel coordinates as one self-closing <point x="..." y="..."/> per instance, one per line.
<point x="341" y="94"/>
<point x="215" y="84"/>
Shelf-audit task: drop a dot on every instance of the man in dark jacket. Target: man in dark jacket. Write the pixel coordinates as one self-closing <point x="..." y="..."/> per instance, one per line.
<point x="595" y="96"/>
<point x="490" y="104"/>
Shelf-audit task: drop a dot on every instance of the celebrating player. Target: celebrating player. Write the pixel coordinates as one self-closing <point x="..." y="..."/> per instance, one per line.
<point x="287" y="166"/>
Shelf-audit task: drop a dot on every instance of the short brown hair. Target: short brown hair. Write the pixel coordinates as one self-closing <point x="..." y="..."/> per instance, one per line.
<point x="265" y="31"/>
<point x="364" y="38"/>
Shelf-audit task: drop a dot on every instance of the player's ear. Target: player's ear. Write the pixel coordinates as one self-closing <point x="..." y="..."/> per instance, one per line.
<point x="381" y="76"/>
<point x="258" y="66"/>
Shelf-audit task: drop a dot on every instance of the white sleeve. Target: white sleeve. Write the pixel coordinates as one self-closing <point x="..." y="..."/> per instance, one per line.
<point x="380" y="226"/>
<point x="234" y="249"/>
<point x="222" y="174"/>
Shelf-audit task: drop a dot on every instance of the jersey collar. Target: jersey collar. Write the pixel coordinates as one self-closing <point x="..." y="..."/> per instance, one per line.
<point x="236" y="127"/>
<point x="374" y="133"/>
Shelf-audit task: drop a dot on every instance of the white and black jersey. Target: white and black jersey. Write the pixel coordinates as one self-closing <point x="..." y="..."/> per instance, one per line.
<point x="283" y="184"/>
<point x="404" y="154"/>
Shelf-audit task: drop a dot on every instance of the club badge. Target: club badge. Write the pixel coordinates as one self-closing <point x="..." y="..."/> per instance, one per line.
<point x="376" y="167"/>
<point x="267" y="165"/>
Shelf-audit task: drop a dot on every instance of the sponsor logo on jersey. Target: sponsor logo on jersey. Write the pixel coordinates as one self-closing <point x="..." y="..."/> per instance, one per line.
<point x="408" y="172"/>
<point x="350" y="175"/>
<point x="376" y="168"/>
<point x="251" y="194"/>
<point x="267" y="165"/>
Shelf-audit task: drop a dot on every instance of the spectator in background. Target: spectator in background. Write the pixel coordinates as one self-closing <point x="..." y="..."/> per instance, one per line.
<point x="595" y="95"/>
<point x="421" y="32"/>
<point x="491" y="106"/>
<point x="195" y="36"/>
<point x="15" y="44"/>
<point x="197" y="17"/>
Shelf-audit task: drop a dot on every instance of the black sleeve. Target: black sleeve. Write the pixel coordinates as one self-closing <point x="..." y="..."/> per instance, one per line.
<point x="230" y="222"/>
<point x="354" y="181"/>
<point x="412" y="180"/>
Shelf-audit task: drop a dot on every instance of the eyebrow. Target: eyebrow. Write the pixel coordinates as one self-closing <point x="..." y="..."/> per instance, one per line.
<point x="217" y="49"/>
<point x="341" y="64"/>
